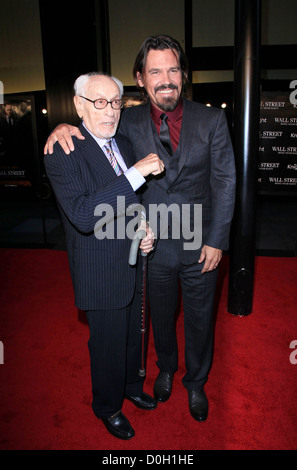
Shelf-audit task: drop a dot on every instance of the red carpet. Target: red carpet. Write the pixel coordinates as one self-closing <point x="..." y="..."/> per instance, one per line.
<point x="45" y="389"/>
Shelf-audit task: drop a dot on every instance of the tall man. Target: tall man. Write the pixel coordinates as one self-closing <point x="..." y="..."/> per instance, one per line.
<point x="104" y="283"/>
<point x="200" y="169"/>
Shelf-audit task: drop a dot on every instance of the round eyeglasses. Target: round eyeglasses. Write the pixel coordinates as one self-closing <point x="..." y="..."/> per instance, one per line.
<point x="100" y="103"/>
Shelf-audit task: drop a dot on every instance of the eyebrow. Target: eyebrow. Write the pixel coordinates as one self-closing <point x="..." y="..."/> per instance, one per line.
<point x="156" y="69"/>
<point x="117" y="97"/>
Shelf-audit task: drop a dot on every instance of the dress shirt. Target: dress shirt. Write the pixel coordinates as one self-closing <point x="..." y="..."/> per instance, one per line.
<point x="134" y="176"/>
<point x="174" y="122"/>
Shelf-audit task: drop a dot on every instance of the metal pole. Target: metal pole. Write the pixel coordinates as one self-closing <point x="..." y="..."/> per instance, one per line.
<point x="246" y="148"/>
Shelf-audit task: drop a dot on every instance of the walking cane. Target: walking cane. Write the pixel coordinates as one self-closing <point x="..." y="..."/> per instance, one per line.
<point x="132" y="261"/>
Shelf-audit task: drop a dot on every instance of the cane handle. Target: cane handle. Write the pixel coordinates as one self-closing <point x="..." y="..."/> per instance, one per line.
<point x="139" y="235"/>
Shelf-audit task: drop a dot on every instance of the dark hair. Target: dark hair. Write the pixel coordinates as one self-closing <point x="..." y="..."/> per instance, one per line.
<point x="160" y="43"/>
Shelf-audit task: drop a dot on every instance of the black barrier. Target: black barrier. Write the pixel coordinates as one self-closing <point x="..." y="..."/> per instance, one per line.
<point x="246" y="148"/>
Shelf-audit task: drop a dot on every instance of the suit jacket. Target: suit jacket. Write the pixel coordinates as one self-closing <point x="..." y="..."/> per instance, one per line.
<point x="201" y="171"/>
<point x="101" y="275"/>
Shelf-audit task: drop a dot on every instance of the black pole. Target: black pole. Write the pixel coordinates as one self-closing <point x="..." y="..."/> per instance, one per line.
<point x="246" y="148"/>
<point x="189" y="40"/>
<point x="103" y="36"/>
<point x="69" y="45"/>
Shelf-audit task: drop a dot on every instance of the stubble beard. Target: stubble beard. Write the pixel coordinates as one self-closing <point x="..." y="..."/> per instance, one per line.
<point x="168" y="103"/>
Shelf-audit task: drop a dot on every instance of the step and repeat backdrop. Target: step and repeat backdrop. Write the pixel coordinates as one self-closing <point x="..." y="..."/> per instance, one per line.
<point x="277" y="159"/>
<point x="278" y="142"/>
<point x="18" y="141"/>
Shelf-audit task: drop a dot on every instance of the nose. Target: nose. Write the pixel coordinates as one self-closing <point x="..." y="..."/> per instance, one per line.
<point x="165" y="78"/>
<point x="109" y="110"/>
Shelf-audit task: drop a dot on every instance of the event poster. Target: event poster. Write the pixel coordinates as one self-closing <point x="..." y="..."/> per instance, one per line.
<point x="17" y="141"/>
<point x="278" y="143"/>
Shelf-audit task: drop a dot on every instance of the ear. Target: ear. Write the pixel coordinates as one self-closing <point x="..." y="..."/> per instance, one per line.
<point x="139" y="79"/>
<point x="78" y="105"/>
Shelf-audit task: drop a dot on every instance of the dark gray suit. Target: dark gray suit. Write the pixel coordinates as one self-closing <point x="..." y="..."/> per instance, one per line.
<point x="104" y="283"/>
<point x="201" y="171"/>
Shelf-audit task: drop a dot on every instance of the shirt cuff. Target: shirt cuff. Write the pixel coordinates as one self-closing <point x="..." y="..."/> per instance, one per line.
<point x="134" y="177"/>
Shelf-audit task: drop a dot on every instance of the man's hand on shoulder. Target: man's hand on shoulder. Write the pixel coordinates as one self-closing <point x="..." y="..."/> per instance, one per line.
<point x="63" y="134"/>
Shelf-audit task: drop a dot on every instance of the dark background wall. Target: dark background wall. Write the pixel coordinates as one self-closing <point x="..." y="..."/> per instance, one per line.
<point x="46" y="44"/>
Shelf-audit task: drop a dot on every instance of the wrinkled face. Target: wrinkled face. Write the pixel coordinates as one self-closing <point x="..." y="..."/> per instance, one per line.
<point x="162" y="78"/>
<point x="101" y="122"/>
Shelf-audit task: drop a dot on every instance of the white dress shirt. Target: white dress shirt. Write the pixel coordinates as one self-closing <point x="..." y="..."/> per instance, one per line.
<point x="134" y="176"/>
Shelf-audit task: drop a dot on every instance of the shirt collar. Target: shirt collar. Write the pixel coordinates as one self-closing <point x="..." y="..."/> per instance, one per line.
<point x="100" y="142"/>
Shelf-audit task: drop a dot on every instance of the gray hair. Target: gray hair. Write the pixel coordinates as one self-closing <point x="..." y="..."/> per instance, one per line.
<point x="81" y="82"/>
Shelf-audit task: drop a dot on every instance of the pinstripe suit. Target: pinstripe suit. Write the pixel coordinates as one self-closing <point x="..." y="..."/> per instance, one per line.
<point x="104" y="283"/>
<point x="201" y="171"/>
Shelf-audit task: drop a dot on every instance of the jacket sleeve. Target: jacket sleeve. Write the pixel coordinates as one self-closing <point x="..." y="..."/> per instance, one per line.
<point x="71" y="188"/>
<point x="222" y="184"/>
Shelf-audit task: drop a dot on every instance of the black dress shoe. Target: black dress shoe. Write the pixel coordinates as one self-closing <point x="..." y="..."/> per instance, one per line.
<point x="119" y="426"/>
<point x="144" y="401"/>
<point x="163" y="386"/>
<point x="198" y="404"/>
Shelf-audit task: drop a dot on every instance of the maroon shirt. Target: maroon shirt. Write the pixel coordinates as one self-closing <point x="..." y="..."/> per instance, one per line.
<point x="174" y="122"/>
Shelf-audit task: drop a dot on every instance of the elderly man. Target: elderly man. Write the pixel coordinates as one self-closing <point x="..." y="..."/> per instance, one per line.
<point x="194" y="143"/>
<point x="102" y="168"/>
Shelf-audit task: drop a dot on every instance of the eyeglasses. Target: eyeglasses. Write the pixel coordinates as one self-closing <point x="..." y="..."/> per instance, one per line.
<point x="101" y="103"/>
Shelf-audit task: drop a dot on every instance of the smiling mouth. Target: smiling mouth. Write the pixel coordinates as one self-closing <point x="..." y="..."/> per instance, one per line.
<point x="166" y="92"/>
<point x="166" y="89"/>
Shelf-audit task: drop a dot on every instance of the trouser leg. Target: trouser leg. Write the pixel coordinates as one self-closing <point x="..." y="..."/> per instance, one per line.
<point x="163" y="299"/>
<point x="134" y="383"/>
<point x="107" y="347"/>
<point x="198" y="291"/>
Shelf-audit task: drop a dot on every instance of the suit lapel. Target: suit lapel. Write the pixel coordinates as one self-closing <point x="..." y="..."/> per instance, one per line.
<point x="188" y="131"/>
<point x="153" y="144"/>
<point x="148" y="130"/>
<point x="95" y="156"/>
<point x="125" y="151"/>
